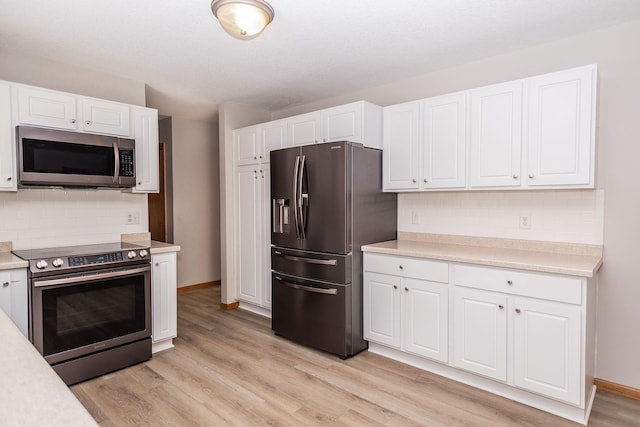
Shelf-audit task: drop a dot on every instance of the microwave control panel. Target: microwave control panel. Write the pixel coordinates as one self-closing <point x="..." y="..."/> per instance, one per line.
<point x="126" y="163"/>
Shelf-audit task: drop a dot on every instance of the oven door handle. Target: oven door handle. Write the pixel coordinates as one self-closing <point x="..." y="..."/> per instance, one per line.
<point x="85" y="277"/>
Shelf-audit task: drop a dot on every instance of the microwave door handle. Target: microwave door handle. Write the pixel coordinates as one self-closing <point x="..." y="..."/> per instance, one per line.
<point x="116" y="154"/>
<point x="295" y="195"/>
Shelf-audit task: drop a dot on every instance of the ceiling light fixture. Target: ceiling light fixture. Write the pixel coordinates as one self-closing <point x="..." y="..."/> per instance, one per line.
<point x="243" y="19"/>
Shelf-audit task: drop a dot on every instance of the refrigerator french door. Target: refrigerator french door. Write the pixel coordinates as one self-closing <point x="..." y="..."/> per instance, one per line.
<point x="316" y="192"/>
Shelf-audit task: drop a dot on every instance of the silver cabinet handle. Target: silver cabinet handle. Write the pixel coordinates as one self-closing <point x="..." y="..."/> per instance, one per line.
<point x="73" y="120"/>
<point x="518" y="310"/>
<point x="157" y="264"/>
<point x="501" y="306"/>
<point x="425" y="180"/>
<point x="509" y="282"/>
<point x="9" y="178"/>
<point x="406" y="289"/>
<point x="395" y="286"/>
<point x="87" y="122"/>
<point x="413" y="180"/>
<point x="515" y="176"/>
<point x="401" y="267"/>
<point x="5" y="284"/>
<point x="531" y="176"/>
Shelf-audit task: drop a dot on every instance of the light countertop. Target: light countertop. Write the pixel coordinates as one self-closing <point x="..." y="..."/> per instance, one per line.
<point x="31" y="393"/>
<point x="9" y="261"/>
<point x="144" y="239"/>
<point x="560" y="258"/>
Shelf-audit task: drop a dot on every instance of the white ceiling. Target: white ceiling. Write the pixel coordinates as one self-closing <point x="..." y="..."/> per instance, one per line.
<point x="313" y="49"/>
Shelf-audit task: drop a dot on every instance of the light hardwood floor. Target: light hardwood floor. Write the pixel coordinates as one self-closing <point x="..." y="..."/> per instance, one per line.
<point x="228" y="368"/>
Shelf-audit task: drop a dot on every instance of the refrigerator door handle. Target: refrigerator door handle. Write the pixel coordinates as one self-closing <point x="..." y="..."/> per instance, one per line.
<point x="295" y="195"/>
<point x="309" y="288"/>
<point x="301" y="197"/>
<point x="308" y="260"/>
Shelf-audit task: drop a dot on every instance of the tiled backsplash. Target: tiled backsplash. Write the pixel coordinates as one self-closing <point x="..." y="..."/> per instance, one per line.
<point x="555" y="216"/>
<point x="49" y="217"/>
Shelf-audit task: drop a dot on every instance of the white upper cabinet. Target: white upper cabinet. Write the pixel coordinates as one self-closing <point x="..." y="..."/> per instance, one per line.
<point x="43" y="107"/>
<point x="246" y="146"/>
<point x="8" y="181"/>
<point x="102" y="116"/>
<point x="533" y="133"/>
<point x="496" y="135"/>
<point x="358" y="122"/>
<point x="401" y="146"/>
<point x="274" y="137"/>
<point x="444" y="134"/>
<point x="305" y="129"/>
<point x="145" y="132"/>
<point x="561" y="137"/>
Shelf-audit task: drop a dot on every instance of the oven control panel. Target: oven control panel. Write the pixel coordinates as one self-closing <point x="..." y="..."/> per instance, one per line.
<point x="82" y="261"/>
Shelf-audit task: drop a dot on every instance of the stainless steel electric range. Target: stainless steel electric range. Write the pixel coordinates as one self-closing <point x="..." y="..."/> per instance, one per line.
<point x="90" y="307"/>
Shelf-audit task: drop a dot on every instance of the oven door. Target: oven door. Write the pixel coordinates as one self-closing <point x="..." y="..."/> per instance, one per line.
<point x="80" y="314"/>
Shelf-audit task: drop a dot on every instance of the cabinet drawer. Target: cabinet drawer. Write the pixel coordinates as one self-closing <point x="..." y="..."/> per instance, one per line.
<point x="536" y="285"/>
<point x="417" y="268"/>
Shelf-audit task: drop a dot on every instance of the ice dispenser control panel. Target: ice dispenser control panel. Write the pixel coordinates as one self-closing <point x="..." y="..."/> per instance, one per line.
<point x="280" y="215"/>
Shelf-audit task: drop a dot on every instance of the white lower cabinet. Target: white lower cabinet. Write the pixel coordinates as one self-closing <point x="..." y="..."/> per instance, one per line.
<point x="164" y="287"/>
<point x="525" y="335"/>
<point x="14" y="297"/>
<point x="404" y="312"/>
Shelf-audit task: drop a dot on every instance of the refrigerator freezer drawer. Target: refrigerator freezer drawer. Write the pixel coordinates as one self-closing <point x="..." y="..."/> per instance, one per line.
<point x="333" y="268"/>
<point x="312" y="313"/>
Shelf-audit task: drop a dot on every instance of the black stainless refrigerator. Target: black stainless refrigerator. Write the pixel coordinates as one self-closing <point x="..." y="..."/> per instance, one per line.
<point x="327" y="202"/>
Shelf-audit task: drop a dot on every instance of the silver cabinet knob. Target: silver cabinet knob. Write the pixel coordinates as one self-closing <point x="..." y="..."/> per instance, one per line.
<point x="395" y="286"/>
<point x="9" y="178"/>
<point x="401" y="267"/>
<point x="87" y="122"/>
<point x="501" y="306"/>
<point x="406" y="289"/>
<point x="425" y="181"/>
<point x="255" y="158"/>
<point x="5" y="284"/>
<point x="157" y="264"/>
<point x="531" y="176"/>
<point x="140" y="183"/>
<point x="515" y="176"/>
<point x="509" y="282"/>
<point x="260" y="156"/>
<point x="413" y="180"/>
<point x="73" y="120"/>
<point x="518" y="310"/>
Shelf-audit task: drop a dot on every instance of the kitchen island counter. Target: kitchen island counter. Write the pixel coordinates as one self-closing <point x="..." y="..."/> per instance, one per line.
<point x="32" y="394"/>
<point x="561" y="258"/>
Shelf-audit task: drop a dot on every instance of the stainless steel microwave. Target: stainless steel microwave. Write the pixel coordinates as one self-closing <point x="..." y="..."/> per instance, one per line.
<point x="50" y="157"/>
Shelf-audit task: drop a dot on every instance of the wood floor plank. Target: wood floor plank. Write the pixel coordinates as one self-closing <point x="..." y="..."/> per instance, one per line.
<point x="229" y="369"/>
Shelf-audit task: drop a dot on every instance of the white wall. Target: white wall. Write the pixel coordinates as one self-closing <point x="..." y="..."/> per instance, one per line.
<point x="615" y="51"/>
<point x="196" y="200"/>
<point x="34" y="218"/>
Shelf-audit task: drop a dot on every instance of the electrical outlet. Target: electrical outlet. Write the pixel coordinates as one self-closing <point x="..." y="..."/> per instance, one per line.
<point x="415" y="218"/>
<point x="525" y="222"/>
<point x="133" y="218"/>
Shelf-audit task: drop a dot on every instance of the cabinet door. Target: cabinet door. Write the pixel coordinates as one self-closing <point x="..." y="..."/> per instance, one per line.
<point x="265" y="235"/>
<point x="102" y="116"/>
<point x="547" y="348"/>
<point x="480" y="332"/>
<point x="249" y="221"/>
<point x="444" y="133"/>
<point x="145" y="132"/>
<point x="496" y="135"/>
<point x="381" y="308"/>
<point x="246" y="145"/>
<point x="14" y="297"/>
<point x="401" y="142"/>
<point x="8" y="181"/>
<point x="43" y="107"/>
<point x="305" y="129"/>
<point x="164" y="295"/>
<point x="274" y="137"/>
<point x="343" y="123"/>
<point x="562" y="128"/>
<point x="426" y="319"/>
